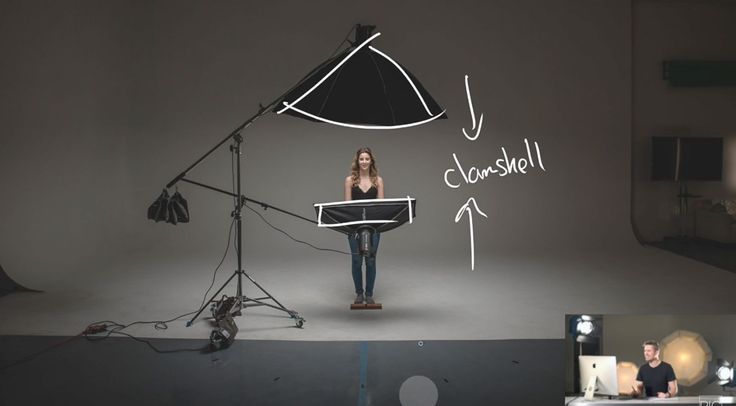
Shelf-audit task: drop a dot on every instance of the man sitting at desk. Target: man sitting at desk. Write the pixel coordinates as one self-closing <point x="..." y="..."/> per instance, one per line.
<point x="656" y="376"/>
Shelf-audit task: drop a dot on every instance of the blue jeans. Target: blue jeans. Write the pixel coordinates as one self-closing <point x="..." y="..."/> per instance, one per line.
<point x="370" y="264"/>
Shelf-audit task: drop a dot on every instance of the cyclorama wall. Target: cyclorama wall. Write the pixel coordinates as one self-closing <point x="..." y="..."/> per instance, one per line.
<point x="105" y="103"/>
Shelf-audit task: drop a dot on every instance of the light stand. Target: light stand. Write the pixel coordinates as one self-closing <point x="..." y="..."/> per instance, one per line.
<point x="241" y="300"/>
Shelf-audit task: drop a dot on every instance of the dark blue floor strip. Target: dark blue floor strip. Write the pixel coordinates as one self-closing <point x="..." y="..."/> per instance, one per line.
<point x="363" y="373"/>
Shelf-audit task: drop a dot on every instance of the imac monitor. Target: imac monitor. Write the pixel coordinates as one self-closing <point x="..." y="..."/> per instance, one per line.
<point x="598" y="375"/>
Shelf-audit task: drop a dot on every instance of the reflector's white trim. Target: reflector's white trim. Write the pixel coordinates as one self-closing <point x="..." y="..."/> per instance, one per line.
<point x="350" y="223"/>
<point x="363" y="127"/>
<point x="408" y="203"/>
<point x="361" y="201"/>
<point x="421" y="99"/>
<point x="330" y="73"/>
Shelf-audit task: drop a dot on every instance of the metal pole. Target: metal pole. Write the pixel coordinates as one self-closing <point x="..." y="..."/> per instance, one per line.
<point x="239" y="219"/>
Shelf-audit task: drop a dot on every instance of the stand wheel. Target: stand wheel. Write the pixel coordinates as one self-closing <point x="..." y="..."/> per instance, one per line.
<point x="299" y="322"/>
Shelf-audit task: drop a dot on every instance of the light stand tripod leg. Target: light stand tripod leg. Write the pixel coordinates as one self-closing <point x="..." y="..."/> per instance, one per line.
<point x="292" y="313"/>
<point x="204" y="306"/>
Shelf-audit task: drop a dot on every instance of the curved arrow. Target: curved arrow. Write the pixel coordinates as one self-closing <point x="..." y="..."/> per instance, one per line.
<point x="463" y="209"/>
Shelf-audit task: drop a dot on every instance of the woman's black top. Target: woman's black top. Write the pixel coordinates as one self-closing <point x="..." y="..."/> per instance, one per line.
<point x="358" y="194"/>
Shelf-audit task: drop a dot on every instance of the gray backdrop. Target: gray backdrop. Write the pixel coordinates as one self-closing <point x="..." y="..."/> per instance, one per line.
<point x="106" y="102"/>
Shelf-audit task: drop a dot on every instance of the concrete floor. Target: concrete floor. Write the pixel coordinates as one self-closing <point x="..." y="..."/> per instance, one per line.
<point x="509" y="296"/>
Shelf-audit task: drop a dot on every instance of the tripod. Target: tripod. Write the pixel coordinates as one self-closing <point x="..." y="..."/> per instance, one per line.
<point x="241" y="300"/>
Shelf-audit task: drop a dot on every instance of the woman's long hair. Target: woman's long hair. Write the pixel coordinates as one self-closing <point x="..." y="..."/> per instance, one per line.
<point x="372" y="170"/>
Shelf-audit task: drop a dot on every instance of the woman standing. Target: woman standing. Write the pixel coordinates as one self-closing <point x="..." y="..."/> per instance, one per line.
<point x="364" y="183"/>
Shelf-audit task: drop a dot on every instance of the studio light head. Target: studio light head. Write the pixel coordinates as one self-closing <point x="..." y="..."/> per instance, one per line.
<point x="365" y="234"/>
<point x="724" y="373"/>
<point x="584" y="328"/>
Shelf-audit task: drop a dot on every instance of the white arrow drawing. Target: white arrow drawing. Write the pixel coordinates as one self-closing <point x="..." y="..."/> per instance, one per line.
<point x="472" y="114"/>
<point x="459" y="215"/>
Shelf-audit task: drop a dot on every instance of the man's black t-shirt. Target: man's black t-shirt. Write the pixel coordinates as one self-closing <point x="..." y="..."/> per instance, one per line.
<point x="656" y="379"/>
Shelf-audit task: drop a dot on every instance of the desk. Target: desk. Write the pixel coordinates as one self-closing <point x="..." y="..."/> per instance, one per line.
<point x="680" y="400"/>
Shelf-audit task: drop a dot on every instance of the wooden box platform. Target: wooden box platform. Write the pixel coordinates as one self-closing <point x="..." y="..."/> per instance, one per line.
<point x="364" y="306"/>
